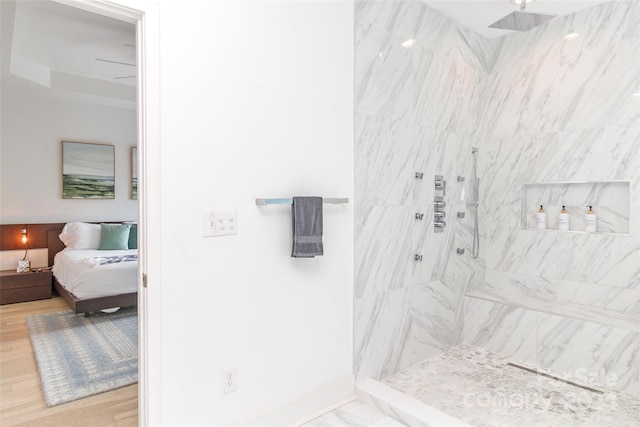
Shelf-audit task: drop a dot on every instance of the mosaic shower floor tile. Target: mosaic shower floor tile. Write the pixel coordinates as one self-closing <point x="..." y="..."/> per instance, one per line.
<point x="485" y="389"/>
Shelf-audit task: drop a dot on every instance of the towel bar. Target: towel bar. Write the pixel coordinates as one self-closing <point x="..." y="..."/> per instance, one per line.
<point x="288" y="201"/>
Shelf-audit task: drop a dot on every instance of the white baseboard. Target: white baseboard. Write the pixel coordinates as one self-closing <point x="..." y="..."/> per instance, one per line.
<point x="307" y="407"/>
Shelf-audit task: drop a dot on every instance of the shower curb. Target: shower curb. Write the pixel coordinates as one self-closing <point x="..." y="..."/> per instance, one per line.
<point x="402" y="408"/>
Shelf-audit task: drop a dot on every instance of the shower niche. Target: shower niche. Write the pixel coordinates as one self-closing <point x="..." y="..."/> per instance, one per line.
<point x="610" y="201"/>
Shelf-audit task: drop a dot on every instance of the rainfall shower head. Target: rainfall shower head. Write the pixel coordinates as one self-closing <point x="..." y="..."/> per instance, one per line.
<point x="521" y="20"/>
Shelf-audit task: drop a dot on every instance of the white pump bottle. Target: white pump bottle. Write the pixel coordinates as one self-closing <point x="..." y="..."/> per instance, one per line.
<point x="563" y="220"/>
<point x="591" y="221"/>
<point x="541" y="219"/>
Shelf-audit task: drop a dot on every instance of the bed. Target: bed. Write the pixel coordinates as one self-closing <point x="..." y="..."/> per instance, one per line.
<point x="94" y="267"/>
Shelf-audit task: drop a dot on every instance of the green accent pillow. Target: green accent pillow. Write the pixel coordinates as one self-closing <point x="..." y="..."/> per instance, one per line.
<point x="133" y="237"/>
<point x="114" y="236"/>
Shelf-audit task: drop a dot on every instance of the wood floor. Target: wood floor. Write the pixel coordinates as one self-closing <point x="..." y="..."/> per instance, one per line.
<point x="21" y="398"/>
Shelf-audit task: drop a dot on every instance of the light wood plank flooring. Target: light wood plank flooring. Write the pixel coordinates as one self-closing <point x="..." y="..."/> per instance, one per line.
<point x="21" y="398"/>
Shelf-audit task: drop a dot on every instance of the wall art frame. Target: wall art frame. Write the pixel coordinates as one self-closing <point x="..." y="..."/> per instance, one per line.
<point x="88" y="170"/>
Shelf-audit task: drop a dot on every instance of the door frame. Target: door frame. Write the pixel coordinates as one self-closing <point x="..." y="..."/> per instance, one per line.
<point x="144" y="14"/>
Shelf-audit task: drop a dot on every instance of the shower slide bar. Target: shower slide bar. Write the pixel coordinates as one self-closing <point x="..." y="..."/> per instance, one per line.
<point x="289" y="201"/>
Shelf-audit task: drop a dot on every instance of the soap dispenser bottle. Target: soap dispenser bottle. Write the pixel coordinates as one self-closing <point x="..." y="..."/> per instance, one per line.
<point x="541" y="219"/>
<point x="563" y="219"/>
<point x="590" y="221"/>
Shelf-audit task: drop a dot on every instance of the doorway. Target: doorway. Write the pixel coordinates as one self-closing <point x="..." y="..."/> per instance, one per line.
<point x="144" y="15"/>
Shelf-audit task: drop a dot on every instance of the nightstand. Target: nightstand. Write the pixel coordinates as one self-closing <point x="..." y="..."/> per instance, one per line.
<point x="20" y="287"/>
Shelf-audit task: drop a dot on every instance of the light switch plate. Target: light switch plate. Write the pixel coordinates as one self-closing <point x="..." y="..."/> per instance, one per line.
<point x="220" y="223"/>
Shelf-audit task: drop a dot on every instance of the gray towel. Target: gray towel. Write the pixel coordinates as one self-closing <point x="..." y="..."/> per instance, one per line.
<point x="306" y="218"/>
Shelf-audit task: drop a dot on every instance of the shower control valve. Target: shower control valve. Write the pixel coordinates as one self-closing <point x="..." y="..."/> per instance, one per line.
<point x="419" y="216"/>
<point x="440" y="184"/>
<point x="417" y="257"/>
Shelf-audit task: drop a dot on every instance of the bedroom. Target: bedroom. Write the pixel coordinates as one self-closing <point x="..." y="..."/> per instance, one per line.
<point x="42" y="108"/>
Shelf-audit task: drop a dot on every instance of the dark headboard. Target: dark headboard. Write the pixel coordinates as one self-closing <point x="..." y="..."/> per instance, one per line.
<point x="54" y="245"/>
<point x="39" y="237"/>
<point x="10" y="235"/>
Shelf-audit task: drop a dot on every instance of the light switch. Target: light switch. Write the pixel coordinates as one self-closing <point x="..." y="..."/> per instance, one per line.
<point x="220" y="223"/>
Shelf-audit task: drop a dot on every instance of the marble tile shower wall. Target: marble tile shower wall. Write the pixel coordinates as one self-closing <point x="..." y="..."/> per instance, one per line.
<point x="541" y="109"/>
<point x="566" y="112"/>
<point x="563" y="110"/>
<point x="417" y="110"/>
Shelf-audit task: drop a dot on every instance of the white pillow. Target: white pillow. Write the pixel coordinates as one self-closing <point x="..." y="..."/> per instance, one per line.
<point x="81" y="235"/>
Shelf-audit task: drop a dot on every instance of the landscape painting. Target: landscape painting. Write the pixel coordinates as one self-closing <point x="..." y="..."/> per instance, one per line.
<point x="134" y="173"/>
<point x="88" y="171"/>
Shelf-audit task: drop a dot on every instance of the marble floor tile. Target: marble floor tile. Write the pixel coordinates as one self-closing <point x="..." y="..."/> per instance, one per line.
<point x="483" y="389"/>
<point x="353" y="414"/>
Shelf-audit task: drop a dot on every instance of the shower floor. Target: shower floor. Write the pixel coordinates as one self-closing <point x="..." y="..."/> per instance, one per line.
<point x="483" y="389"/>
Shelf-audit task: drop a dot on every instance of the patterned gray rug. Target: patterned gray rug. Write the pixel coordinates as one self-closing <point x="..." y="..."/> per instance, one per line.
<point x="81" y="356"/>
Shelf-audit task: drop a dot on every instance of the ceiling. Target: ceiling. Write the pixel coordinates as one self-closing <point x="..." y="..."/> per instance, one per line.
<point x="72" y="50"/>
<point x="477" y="15"/>
<point x="67" y="49"/>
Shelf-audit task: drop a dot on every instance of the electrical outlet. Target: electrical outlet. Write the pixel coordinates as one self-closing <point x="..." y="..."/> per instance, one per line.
<point x="229" y="379"/>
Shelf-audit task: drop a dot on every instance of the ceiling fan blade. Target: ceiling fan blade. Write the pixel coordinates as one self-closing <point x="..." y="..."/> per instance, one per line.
<point x="115" y="62"/>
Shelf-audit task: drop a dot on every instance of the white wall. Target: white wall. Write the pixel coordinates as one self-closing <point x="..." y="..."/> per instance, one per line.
<point x="256" y="101"/>
<point x="33" y="125"/>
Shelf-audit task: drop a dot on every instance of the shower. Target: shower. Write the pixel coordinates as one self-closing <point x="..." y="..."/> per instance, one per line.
<point x="473" y="204"/>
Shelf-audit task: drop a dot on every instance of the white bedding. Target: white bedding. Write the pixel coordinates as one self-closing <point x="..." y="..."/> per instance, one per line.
<point x="81" y="273"/>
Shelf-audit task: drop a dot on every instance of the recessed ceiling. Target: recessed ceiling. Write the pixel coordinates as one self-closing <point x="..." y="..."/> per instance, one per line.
<point x="68" y="52"/>
<point x="477" y="15"/>
<point x="61" y="38"/>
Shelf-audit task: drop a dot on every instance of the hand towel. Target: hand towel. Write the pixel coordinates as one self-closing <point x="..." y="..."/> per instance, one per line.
<point x="306" y="218"/>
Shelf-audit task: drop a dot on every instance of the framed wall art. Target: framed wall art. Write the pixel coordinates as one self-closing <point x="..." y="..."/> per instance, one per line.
<point x="88" y="170"/>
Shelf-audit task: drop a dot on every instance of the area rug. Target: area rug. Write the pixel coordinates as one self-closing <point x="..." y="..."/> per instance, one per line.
<point x="81" y="356"/>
